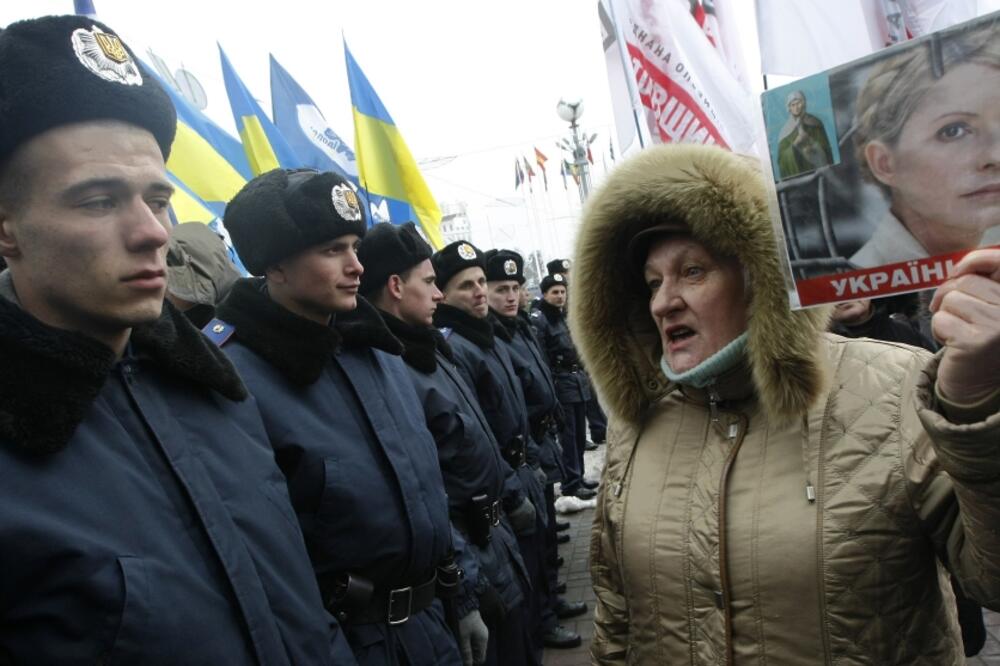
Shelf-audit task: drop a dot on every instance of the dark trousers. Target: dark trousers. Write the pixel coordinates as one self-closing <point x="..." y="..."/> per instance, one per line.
<point x="970" y="619"/>
<point x="573" y="437"/>
<point x="596" y="421"/>
<point x="510" y="642"/>
<point x="537" y="598"/>
<point x="549" y="619"/>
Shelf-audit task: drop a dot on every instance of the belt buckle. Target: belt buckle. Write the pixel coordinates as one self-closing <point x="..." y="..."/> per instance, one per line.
<point x="495" y="513"/>
<point x="391" y="615"/>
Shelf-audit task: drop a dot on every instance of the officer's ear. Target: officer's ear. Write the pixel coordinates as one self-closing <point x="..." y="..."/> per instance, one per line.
<point x="8" y="238"/>
<point x="394" y="287"/>
<point x="276" y="274"/>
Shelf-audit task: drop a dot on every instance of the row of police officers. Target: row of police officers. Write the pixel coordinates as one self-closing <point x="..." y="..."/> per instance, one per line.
<point x="355" y="462"/>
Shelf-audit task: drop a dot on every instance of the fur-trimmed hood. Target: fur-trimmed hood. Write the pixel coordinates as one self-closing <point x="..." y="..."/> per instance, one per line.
<point x="722" y="198"/>
<point x="51" y="377"/>
<point x="298" y="347"/>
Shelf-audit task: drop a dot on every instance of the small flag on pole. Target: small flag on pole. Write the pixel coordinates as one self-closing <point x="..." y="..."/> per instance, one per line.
<point x="540" y="158"/>
<point x="518" y="174"/>
<point x="530" y="172"/>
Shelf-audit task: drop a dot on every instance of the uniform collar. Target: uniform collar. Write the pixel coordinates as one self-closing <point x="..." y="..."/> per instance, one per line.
<point x="298" y="347"/>
<point x="476" y="330"/>
<point x="52" y="376"/>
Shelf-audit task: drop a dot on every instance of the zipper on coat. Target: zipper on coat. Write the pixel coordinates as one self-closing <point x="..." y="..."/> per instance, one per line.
<point x="736" y="433"/>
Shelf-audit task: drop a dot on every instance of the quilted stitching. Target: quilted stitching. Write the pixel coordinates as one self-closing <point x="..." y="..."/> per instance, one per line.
<point x="874" y="586"/>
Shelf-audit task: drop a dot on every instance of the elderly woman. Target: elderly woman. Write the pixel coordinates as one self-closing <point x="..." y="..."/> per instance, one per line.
<point x="774" y="493"/>
<point x="931" y="141"/>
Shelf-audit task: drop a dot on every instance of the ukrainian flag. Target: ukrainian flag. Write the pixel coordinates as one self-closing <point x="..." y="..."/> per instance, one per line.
<point x="186" y="206"/>
<point x="385" y="166"/>
<point x="265" y="148"/>
<point x="204" y="158"/>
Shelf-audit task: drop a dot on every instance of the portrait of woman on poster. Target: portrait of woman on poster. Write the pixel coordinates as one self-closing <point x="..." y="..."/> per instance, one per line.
<point x="931" y="142"/>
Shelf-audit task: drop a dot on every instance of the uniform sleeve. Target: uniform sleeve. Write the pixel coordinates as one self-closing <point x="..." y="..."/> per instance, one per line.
<point x="610" y="644"/>
<point x="953" y="469"/>
<point x="467" y="599"/>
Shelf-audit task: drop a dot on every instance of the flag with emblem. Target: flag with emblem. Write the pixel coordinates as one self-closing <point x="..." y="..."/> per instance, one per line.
<point x="386" y="168"/>
<point x="265" y="147"/>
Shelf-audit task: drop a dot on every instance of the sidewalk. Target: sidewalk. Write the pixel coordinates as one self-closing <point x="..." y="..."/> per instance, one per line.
<point x="576" y="573"/>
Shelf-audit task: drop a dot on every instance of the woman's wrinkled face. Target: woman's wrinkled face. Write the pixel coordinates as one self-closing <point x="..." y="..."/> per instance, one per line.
<point x="697" y="300"/>
<point x="944" y="171"/>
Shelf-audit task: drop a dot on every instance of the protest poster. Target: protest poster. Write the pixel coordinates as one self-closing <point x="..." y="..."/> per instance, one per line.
<point x="887" y="169"/>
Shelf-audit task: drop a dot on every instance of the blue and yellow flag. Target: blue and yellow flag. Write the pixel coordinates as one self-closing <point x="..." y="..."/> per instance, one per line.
<point x="386" y="167"/>
<point x="265" y="148"/>
<point x="205" y="158"/>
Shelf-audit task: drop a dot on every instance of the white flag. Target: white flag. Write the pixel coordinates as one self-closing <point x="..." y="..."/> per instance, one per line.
<point x="925" y="16"/>
<point x="687" y="93"/>
<point x="625" y="100"/>
<point x="802" y="37"/>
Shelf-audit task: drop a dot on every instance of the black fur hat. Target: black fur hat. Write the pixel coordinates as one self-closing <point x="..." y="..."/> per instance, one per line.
<point x="389" y="250"/>
<point x="556" y="280"/>
<point x="502" y="265"/>
<point x="558" y="266"/>
<point x="284" y="211"/>
<point x="455" y="258"/>
<point x="58" y="70"/>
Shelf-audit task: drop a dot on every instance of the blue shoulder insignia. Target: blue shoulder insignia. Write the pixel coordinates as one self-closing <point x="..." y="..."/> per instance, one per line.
<point x="218" y="331"/>
<point x="446" y="332"/>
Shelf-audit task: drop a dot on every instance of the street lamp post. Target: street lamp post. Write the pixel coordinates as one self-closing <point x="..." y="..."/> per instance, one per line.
<point x="571" y="111"/>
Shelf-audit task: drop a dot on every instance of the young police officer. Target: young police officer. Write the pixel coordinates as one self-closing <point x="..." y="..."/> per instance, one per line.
<point x="342" y="415"/>
<point x="572" y="385"/>
<point x="399" y="279"/>
<point x="488" y="367"/>
<point x="142" y="517"/>
<point x="504" y="275"/>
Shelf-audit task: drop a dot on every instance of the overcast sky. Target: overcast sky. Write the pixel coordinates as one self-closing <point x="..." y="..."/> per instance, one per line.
<point x="471" y="79"/>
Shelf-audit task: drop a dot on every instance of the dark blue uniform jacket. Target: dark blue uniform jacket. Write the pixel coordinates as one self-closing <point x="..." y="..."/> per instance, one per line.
<point x="469" y="456"/>
<point x="532" y="369"/>
<point x="362" y="468"/>
<point x="142" y="517"/>
<point x="488" y="368"/>
<point x="572" y="384"/>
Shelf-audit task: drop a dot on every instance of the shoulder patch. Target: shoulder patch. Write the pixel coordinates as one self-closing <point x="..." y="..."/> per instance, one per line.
<point x="218" y="331"/>
<point x="446" y="332"/>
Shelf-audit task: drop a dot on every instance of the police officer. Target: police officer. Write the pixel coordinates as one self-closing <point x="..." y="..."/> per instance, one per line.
<point x="142" y="517"/>
<point x="572" y="386"/>
<point x="505" y="276"/>
<point x="399" y="280"/>
<point x="342" y="415"/>
<point x="488" y="367"/>
<point x="597" y="422"/>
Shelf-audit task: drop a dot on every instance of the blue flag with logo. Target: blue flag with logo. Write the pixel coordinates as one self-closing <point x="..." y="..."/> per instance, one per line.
<point x="305" y="129"/>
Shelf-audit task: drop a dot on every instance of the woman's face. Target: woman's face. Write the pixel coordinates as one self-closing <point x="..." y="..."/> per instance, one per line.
<point x="698" y="301"/>
<point x="944" y="171"/>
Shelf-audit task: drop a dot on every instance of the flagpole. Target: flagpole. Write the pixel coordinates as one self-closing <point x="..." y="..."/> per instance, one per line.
<point x="633" y="91"/>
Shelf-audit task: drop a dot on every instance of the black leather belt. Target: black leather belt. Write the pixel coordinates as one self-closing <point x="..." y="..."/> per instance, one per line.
<point x="567" y="368"/>
<point x="391" y="606"/>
